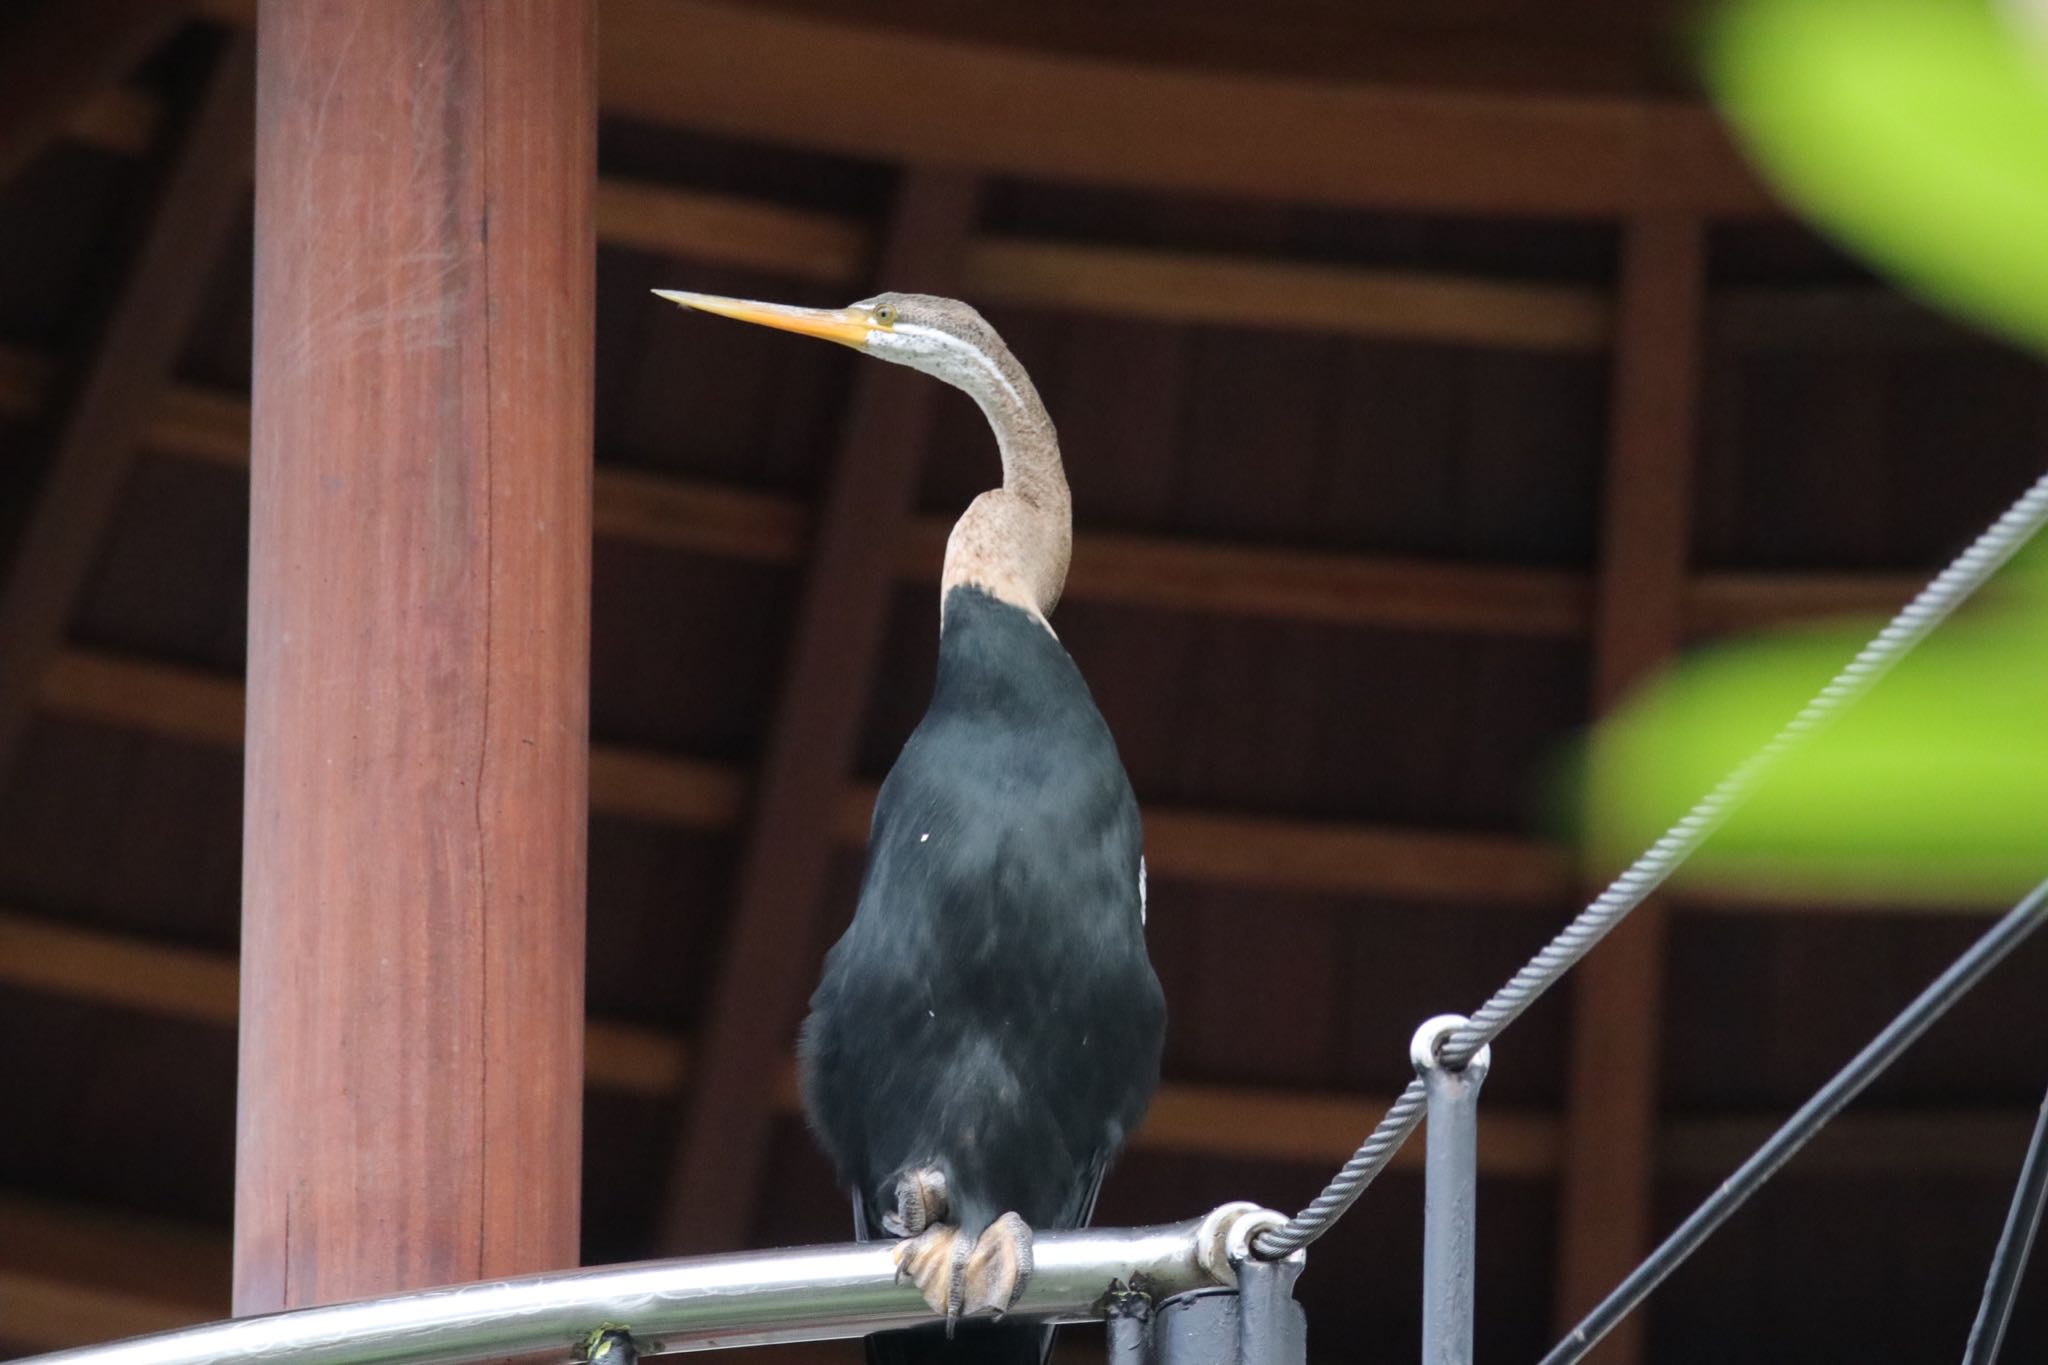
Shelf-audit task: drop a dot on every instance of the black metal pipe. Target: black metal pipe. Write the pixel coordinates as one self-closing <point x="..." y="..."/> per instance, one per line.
<point x="1967" y="970"/>
<point x="2009" y="1262"/>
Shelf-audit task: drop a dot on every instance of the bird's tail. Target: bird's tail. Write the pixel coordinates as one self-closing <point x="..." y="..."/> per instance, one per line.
<point x="972" y="1343"/>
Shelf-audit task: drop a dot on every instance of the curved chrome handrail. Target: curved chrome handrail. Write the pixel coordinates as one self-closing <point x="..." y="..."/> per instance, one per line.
<point x="691" y="1304"/>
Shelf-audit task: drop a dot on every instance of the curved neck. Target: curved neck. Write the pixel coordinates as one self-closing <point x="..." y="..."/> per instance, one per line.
<point x="1013" y="541"/>
<point x="1025" y="438"/>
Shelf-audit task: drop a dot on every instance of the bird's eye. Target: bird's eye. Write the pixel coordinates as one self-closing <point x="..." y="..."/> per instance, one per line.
<point x="886" y="315"/>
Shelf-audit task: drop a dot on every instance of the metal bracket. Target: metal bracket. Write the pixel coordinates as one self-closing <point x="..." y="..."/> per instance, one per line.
<point x="1129" y="1315"/>
<point x="1451" y="1198"/>
<point x="611" y="1346"/>
<point x="1271" y="1328"/>
<point x="1258" y="1324"/>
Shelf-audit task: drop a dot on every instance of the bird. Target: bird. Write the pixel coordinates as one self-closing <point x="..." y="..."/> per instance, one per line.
<point x="988" y="1030"/>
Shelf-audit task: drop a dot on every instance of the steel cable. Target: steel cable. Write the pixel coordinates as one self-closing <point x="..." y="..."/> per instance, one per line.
<point x="1934" y="603"/>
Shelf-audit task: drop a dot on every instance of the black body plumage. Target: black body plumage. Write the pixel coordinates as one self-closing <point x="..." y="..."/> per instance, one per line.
<point x="991" y="1009"/>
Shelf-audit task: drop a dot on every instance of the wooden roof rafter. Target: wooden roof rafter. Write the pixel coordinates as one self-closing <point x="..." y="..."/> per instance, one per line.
<point x="720" y="1155"/>
<point x="59" y="57"/>
<point x="1305" y="1126"/>
<point x="780" y="77"/>
<point x="1646" y="535"/>
<point x="1170" y="573"/>
<point x="116" y="393"/>
<point x="174" y="982"/>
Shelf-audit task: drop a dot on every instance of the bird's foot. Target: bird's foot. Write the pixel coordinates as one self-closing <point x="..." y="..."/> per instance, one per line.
<point x="920" y="1202"/>
<point x="958" y="1277"/>
<point x="999" y="1266"/>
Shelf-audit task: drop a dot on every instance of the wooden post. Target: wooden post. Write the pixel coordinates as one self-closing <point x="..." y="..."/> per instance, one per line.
<point x="1618" y="992"/>
<point x="412" y="993"/>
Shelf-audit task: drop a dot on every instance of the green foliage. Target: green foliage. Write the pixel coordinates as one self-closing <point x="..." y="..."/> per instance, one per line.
<point x="1934" y="787"/>
<point x="1915" y="131"/>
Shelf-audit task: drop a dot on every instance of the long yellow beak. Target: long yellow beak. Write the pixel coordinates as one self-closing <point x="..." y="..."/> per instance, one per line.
<point x="848" y="326"/>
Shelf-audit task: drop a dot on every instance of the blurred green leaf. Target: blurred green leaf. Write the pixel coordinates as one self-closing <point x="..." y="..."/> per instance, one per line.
<point x="1933" y="787"/>
<point x="1915" y="131"/>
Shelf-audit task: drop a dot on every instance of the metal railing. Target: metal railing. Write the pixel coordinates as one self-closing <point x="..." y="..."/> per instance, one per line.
<point x="697" y="1303"/>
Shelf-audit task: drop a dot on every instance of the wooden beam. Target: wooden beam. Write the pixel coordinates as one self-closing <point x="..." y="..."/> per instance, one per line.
<point x="1983" y="1144"/>
<point x="1187" y="287"/>
<point x="123" y="121"/>
<point x="1164" y="285"/>
<point x="1146" y="571"/>
<point x="119" y="970"/>
<point x="106" y="412"/>
<point x="731" y="230"/>
<point x="1267" y="853"/>
<point x="56" y="56"/>
<point x="1611" y="1118"/>
<point x="1312" y="1129"/>
<point x="779" y="77"/>
<point x="69" y="1276"/>
<point x="413" y="861"/>
<point x="191" y="983"/>
<point x="1209" y="1120"/>
<point x="1012" y="111"/>
<point x="1729" y="602"/>
<point x="722" y="1153"/>
<point x="808" y="244"/>
<point x="702" y="518"/>
<point x="41" y="1313"/>
<point x="1204" y="577"/>
<point x="160" y="699"/>
<point x="73" y="1276"/>
<point x="1260" y="852"/>
<point x="1223" y="1121"/>
<point x="1855" y="317"/>
<point x="1215" y="847"/>
<point x="1325" y="588"/>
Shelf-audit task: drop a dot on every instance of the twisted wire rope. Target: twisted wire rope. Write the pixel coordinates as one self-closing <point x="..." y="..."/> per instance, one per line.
<point x="1934" y="603"/>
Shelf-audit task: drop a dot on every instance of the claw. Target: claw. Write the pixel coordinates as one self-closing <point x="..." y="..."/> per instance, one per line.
<point x="920" y="1202"/>
<point x="956" y="1282"/>
<point x="929" y="1261"/>
<point x="999" y="1266"/>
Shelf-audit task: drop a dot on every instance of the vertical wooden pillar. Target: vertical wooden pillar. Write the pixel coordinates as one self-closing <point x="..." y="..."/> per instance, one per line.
<point x="412" y="998"/>
<point x="1618" y="992"/>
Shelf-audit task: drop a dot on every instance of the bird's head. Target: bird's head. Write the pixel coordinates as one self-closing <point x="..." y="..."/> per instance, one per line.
<point x="1012" y="541"/>
<point x="943" y="337"/>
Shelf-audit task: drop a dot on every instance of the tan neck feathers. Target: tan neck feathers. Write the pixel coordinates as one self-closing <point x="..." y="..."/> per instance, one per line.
<point x="1014" y="542"/>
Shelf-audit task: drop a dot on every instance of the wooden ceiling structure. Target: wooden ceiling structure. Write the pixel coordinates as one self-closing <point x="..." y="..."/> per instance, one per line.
<point x="1427" y="381"/>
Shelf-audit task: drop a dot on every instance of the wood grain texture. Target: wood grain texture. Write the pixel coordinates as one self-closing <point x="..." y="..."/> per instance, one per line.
<point x="412" y="992"/>
<point x="722" y="1154"/>
<point x="1611" y="1115"/>
<point x="113" y="400"/>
